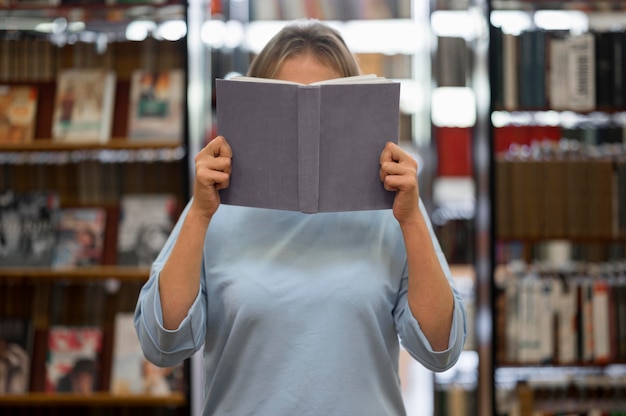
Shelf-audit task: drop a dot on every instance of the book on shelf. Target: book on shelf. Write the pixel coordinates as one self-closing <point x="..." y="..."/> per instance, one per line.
<point x="80" y="237"/>
<point x="581" y="317"/>
<point x="73" y="359"/>
<point x="604" y="69"/>
<point x="621" y="196"/>
<point x="452" y="61"/>
<point x="510" y="76"/>
<point x="16" y="347"/>
<point x="559" y="195"/>
<point x="18" y="111"/>
<point x="532" y="65"/>
<point x="581" y="72"/>
<point x="454" y="151"/>
<point x="28" y="223"/>
<point x="145" y="222"/>
<point x="84" y="101"/>
<point x="83" y="2"/>
<point x="557" y="59"/>
<point x="32" y="3"/>
<point x="560" y="70"/>
<point x="156" y="105"/>
<point x="291" y="142"/>
<point x="131" y="372"/>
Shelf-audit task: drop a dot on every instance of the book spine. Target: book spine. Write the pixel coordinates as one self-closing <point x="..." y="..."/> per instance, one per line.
<point x="581" y="54"/>
<point x="558" y="87"/>
<point x="604" y="69"/>
<point x="510" y="71"/>
<point x="601" y="318"/>
<point x="308" y="148"/>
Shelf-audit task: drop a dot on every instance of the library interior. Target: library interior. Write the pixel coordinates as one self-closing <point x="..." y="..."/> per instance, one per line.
<point x="515" y="111"/>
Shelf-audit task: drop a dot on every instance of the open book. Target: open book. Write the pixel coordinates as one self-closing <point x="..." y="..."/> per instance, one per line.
<point x="310" y="148"/>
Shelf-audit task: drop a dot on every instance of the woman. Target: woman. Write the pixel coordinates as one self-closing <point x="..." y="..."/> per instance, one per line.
<point x="301" y="314"/>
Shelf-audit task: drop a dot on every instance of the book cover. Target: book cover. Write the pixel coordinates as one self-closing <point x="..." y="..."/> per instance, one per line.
<point x="156" y="105"/>
<point x="18" y="110"/>
<point x="83" y="110"/>
<point x="16" y="338"/>
<point x="131" y="373"/>
<point x="80" y="237"/>
<point x="28" y="223"/>
<point x="73" y="358"/>
<point x="310" y="148"/>
<point x="144" y="224"/>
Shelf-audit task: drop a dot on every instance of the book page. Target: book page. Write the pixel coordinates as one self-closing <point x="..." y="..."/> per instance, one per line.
<point x="357" y="79"/>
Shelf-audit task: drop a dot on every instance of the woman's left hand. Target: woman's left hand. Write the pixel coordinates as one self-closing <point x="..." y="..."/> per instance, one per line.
<point x="398" y="172"/>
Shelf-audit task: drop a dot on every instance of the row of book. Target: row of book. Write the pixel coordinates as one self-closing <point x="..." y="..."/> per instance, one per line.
<point x="455" y="400"/>
<point x="583" y="134"/>
<point x="36" y="231"/>
<point x="540" y="69"/>
<point x="27" y="4"/>
<point x="559" y="251"/>
<point x="83" y="107"/>
<point x="552" y="196"/>
<point x="26" y="57"/>
<point x="589" y="394"/>
<point x="98" y="177"/>
<point x="78" y="357"/>
<point x="549" y="315"/>
<point x="323" y="9"/>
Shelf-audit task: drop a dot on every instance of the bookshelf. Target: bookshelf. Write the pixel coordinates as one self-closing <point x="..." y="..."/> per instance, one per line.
<point x="559" y="246"/>
<point x="39" y="41"/>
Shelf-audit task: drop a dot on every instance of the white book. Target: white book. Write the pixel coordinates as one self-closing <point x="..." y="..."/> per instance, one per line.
<point x="601" y="320"/>
<point x="581" y="78"/>
<point x="558" y="92"/>
<point x="545" y="317"/>
<point x="567" y="332"/>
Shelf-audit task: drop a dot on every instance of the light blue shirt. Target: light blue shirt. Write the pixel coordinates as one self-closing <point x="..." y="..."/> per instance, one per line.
<point x="299" y="314"/>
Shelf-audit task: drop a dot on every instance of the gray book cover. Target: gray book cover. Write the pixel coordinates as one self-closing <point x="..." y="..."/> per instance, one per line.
<point x="310" y="148"/>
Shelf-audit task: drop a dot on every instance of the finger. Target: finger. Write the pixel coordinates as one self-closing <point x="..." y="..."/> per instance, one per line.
<point x="392" y="153"/>
<point x="219" y="147"/>
<point x="212" y="178"/>
<point x="216" y="155"/>
<point x="386" y="154"/>
<point x="222" y="180"/>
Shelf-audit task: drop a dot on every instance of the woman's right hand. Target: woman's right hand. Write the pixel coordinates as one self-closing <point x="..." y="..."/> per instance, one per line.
<point x="213" y="168"/>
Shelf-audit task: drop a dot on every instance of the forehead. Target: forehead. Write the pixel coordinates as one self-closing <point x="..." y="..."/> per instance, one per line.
<point x="305" y="69"/>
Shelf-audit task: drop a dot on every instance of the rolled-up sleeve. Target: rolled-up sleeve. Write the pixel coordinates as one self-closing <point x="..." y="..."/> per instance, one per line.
<point x="162" y="346"/>
<point x="416" y="343"/>
<point x="412" y="336"/>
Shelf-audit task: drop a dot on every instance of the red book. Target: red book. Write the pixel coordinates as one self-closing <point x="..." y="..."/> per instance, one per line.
<point x="454" y="149"/>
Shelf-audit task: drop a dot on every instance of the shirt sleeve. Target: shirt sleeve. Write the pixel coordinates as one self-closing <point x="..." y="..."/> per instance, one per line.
<point x="411" y="335"/>
<point x="161" y="346"/>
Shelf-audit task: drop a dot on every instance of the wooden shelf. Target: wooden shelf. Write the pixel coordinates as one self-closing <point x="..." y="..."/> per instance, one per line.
<point x="96" y="272"/>
<point x="92" y="400"/>
<point x="113" y="144"/>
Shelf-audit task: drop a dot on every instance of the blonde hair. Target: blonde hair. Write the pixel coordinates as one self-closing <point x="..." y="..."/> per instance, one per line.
<point x="302" y="37"/>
